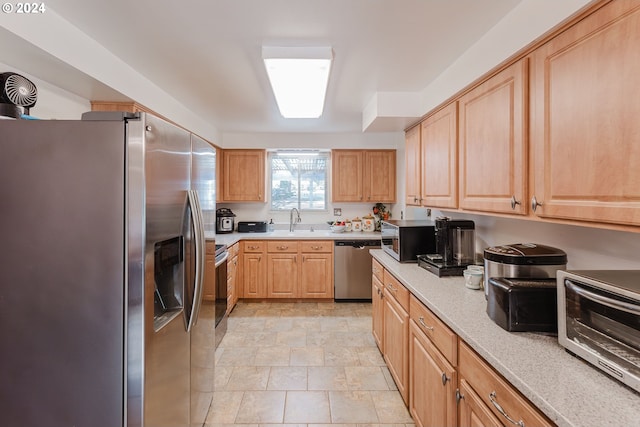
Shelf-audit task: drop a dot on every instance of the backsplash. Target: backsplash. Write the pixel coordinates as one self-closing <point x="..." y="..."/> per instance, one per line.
<point x="586" y="247"/>
<point x="261" y="212"/>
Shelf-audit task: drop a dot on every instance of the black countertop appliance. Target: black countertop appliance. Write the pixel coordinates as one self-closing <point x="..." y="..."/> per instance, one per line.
<point x="455" y="247"/>
<point x="522" y="261"/>
<point x="225" y="220"/>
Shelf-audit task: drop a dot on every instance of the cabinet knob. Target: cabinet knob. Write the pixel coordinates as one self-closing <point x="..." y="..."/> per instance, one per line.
<point x="459" y="396"/>
<point x="445" y="378"/>
<point x="514" y="203"/>
<point x="535" y="203"/>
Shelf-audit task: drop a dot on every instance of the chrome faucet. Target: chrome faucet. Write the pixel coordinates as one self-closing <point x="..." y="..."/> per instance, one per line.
<point x="292" y="224"/>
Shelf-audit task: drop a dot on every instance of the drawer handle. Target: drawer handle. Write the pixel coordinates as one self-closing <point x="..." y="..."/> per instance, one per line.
<point x="492" y="398"/>
<point x="445" y="378"/>
<point x="424" y="325"/>
<point x="316" y="248"/>
<point x="254" y="247"/>
<point x="390" y="286"/>
<point x="282" y="248"/>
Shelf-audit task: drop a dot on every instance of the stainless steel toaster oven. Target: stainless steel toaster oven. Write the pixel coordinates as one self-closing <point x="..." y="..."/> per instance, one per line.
<point x="599" y="320"/>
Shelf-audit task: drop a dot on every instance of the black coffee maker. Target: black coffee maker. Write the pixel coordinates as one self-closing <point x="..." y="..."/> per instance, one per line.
<point x="455" y="247"/>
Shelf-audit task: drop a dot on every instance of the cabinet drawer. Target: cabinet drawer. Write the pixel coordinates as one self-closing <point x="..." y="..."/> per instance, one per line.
<point x="254" y="246"/>
<point x="324" y="246"/>
<point x="288" y="246"/>
<point x="210" y="247"/>
<point x="393" y="287"/>
<point x="491" y="387"/>
<point x="377" y="269"/>
<point x="442" y="337"/>
<point x="233" y="250"/>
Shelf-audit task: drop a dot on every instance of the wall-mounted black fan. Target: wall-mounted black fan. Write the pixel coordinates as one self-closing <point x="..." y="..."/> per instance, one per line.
<point x="17" y="90"/>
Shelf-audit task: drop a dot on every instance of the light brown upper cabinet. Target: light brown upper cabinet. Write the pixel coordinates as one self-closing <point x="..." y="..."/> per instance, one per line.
<point x="363" y="176"/>
<point x="493" y="143"/>
<point x="242" y="176"/>
<point x="439" y="158"/>
<point x="585" y="128"/>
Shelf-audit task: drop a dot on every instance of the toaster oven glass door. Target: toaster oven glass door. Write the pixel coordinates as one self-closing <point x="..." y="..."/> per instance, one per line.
<point x="604" y="322"/>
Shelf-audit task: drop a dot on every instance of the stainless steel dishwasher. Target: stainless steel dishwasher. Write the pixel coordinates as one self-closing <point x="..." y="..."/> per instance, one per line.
<point x="352" y="269"/>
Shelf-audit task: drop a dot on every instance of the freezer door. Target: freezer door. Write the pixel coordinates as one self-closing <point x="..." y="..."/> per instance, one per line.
<point x="62" y="271"/>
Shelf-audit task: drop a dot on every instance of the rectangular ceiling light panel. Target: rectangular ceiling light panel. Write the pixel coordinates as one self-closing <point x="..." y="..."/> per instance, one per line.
<point x="299" y="78"/>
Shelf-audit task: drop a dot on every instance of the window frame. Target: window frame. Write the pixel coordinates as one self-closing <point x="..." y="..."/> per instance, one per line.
<point x="297" y="153"/>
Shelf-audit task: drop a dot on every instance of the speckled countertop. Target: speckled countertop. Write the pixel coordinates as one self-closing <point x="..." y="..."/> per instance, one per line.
<point x="569" y="391"/>
<point x="300" y="234"/>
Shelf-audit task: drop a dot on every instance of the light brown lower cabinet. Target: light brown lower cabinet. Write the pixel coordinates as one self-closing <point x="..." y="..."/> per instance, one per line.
<point x="377" y="315"/>
<point x="232" y="277"/>
<point x="432" y="382"/>
<point x="441" y="379"/>
<point x="473" y="412"/>
<point x="316" y="275"/>
<point x="254" y="270"/>
<point x="209" y="284"/>
<point x="282" y="269"/>
<point x="432" y="372"/>
<point x="288" y="269"/>
<point x="396" y="332"/>
<point x="494" y="393"/>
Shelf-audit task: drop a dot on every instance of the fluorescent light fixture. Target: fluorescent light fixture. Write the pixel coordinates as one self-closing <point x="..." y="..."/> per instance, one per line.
<point x="299" y="78"/>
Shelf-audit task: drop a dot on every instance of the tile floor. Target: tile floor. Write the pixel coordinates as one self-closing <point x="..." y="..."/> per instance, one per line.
<point x="303" y="364"/>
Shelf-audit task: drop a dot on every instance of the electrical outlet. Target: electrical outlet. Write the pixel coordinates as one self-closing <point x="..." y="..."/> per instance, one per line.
<point x="337" y="212"/>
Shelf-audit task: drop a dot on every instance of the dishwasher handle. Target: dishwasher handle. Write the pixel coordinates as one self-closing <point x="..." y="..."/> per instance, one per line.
<point x="358" y="244"/>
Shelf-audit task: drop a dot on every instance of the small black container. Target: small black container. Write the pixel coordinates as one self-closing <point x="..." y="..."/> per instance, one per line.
<point x="523" y="305"/>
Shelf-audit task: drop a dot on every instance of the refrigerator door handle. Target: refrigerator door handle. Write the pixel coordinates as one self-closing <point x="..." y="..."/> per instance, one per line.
<point x="196" y="218"/>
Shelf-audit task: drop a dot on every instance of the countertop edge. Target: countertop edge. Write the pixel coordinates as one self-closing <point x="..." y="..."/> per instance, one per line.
<point x="231" y="238"/>
<point x="558" y="383"/>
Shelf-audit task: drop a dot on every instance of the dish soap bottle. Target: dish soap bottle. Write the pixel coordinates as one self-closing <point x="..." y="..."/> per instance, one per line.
<point x="270" y="226"/>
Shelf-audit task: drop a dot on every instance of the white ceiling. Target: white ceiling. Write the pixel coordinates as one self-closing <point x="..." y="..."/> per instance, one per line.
<point x="207" y="53"/>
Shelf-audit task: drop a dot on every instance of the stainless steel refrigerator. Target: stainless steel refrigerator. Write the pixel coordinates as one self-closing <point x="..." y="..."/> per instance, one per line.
<point x="102" y="321"/>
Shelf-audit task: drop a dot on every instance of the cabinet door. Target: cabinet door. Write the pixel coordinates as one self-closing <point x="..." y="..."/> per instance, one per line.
<point x="243" y="175"/>
<point x="316" y="276"/>
<point x="347" y="168"/>
<point x="413" y="166"/>
<point x="379" y="176"/>
<point x="396" y="343"/>
<point x="254" y="275"/>
<point x="282" y="275"/>
<point x="473" y="411"/>
<point x="492" y="143"/>
<point x="432" y="383"/>
<point x="585" y="127"/>
<point x="232" y="289"/>
<point x="377" y="314"/>
<point x="439" y="154"/>
<point x="209" y="285"/>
